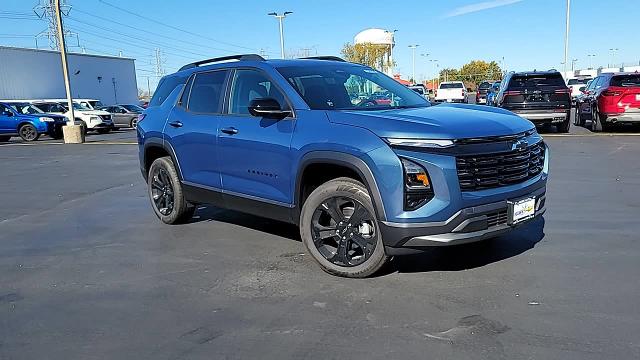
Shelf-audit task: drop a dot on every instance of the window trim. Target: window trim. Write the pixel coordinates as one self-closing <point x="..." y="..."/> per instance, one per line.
<point x="225" y="109"/>
<point x="195" y="75"/>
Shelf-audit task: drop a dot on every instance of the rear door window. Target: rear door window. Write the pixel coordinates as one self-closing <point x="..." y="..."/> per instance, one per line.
<point x="206" y="92"/>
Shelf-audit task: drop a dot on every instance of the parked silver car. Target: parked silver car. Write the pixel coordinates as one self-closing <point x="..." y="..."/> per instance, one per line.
<point x="124" y="115"/>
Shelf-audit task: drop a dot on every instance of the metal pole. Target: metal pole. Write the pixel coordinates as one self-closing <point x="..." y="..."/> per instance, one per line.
<point x="63" y="56"/>
<point x="413" y="51"/>
<point x="566" y="38"/>
<point x="281" y="37"/>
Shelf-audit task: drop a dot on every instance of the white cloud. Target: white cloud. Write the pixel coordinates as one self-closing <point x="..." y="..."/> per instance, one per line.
<point x="468" y="9"/>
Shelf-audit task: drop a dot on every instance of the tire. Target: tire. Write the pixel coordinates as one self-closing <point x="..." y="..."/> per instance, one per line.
<point x="104" y="130"/>
<point x="165" y="193"/>
<point x="576" y="117"/>
<point x="596" y="123"/>
<point x="134" y="123"/>
<point x="85" y="129"/>
<point x="4" y="138"/>
<point x="566" y="125"/>
<point x="335" y="200"/>
<point x="28" y="132"/>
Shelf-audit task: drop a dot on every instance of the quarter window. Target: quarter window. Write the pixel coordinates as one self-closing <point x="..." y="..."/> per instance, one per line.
<point x="250" y="85"/>
<point x="206" y="92"/>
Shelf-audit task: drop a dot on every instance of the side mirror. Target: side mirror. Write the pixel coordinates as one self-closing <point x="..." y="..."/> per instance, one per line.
<point x="583" y="89"/>
<point x="267" y="108"/>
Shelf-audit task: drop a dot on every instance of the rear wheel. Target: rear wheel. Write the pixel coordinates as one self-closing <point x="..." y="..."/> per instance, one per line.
<point x="84" y="126"/>
<point x="165" y="193"/>
<point x="28" y="132"/>
<point x="339" y="229"/>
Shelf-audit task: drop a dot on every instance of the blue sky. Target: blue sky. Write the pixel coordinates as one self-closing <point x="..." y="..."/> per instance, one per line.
<point x="527" y="33"/>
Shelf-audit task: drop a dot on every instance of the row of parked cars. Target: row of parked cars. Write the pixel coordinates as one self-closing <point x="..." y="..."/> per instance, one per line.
<point x="544" y="98"/>
<point x="29" y="119"/>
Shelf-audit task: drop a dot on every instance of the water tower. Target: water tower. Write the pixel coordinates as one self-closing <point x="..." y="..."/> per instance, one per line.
<point x="379" y="37"/>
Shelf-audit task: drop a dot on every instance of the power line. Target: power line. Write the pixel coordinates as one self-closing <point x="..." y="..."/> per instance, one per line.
<point x="173" y="27"/>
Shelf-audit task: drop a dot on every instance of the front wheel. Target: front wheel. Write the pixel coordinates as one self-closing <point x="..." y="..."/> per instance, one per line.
<point x="165" y="193"/>
<point x="339" y="228"/>
<point x="28" y="132"/>
<point x="134" y="123"/>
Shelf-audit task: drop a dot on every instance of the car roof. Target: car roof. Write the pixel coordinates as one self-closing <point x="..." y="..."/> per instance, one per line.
<point x="535" y="72"/>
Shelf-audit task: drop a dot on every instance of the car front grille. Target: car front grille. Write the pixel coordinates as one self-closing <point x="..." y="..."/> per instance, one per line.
<point x="487" y="171"/>
<point x="497" y="218"/>
<point x="105" y="117"/>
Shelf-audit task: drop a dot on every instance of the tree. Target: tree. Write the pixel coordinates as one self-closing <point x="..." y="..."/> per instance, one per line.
<point x="372" y="55"/>
<point x="473" y="73"/>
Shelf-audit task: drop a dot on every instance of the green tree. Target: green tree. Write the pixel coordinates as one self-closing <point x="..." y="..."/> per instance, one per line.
<point x="372" y="55"/>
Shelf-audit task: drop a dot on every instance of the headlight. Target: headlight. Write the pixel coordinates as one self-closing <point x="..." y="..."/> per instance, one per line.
<point x="417" y="185"/>
<point x="46" y="119"/>
<point x="425" y="143"/>
<point x="94" y="118"/>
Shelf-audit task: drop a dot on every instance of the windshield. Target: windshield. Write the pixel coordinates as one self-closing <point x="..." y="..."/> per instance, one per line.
<point x="349" y="87"/>
<point x="626" y="80"/>
<point x="26" y="108"/>
<point x="484" y="85"/>
<point x="133" y="108"/>
<point x="578" y="81"/>
<point x="451" y="86"/>
<point x="77" y="106"/>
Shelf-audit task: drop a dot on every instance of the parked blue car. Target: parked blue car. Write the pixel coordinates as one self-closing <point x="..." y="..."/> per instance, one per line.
<point x="491" y="94"/>
<point x="28" y="122"/>
<point x="292" y="140"/>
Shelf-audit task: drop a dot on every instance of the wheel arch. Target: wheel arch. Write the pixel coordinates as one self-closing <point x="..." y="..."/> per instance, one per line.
<point x="155" y="148"/>
<point x="336" y="160"/>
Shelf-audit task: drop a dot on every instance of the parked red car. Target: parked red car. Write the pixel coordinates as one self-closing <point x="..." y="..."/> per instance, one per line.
<point x="610" y="99"/>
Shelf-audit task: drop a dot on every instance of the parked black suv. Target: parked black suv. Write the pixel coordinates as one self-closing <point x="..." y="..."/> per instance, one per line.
<point x="539" y="96"/>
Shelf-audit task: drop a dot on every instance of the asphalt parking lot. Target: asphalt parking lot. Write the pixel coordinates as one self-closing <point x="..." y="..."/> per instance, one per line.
<point x="88" y="272"/>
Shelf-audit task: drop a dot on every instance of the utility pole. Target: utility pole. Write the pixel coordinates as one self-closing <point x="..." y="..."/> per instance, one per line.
<point x="566" y="38"/>
<point x="46" y="10"/>
<point x="433" y="81"/>
<point x="573" y="64"/>
<point x="280" y="20"/>
<point x="73" y="134"/>
<point x="159" y="63"/>
<point x="413" y="55"/>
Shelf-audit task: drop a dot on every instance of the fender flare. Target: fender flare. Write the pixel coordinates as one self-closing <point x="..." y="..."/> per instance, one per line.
<point x="343" y="159"/>
<point x="159" y="143"/>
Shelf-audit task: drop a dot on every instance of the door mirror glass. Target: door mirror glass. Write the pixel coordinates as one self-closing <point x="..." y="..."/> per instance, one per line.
<point x="268" y="108"/>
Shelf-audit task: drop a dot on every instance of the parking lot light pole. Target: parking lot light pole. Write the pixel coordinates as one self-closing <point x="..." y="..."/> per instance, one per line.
<point x="280" y="20"/>
<point x="413" y="54"/>
<point x="566" y="39"/>
<point x="613" y="56"/>
<point x="573" y="64"/>
<point x="590" y="56"/>
<point x="72" y="133"/>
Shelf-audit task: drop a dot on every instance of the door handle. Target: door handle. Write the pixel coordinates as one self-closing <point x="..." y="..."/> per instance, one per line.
<point x="176" y="124"/>
<point x="229" y="130"/>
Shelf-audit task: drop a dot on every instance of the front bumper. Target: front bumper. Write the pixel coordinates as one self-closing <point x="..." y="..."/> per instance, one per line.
<point x="467" y="225"/>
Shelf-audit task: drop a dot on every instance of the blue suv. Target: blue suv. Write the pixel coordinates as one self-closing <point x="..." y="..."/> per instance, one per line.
<point x="308" y="142"/>
<point x="28" y="122"/>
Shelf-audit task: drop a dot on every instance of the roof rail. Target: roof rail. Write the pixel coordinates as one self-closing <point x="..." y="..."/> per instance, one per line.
<point x="331" y="58"/>
<point x="243" y="57"/>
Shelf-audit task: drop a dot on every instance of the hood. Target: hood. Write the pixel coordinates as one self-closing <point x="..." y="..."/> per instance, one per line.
<point x="436" y="122"/>
<point x="93" y="112"/>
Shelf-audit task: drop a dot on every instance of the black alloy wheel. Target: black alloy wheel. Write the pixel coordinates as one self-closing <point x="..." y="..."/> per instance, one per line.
<point x="162" y="191"/>
<point x="28" y="132"/>
<point x="344" y="231"/>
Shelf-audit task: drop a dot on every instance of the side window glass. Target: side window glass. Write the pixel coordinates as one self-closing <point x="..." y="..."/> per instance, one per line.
<point x="185" y="93"/>
<point x="4" y="110"/>
<point x="249" y="85"/>
<point x="206" y="92"/>
<point x="165" y="88"/>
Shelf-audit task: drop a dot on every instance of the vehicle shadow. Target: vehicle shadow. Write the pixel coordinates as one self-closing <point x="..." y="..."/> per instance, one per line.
<point x="448" y="258"/>
<point x="470" y="256"/>
<point x="212" y="213"/>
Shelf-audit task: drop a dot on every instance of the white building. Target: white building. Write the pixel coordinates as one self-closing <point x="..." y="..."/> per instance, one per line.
<point x="37" y="74"/>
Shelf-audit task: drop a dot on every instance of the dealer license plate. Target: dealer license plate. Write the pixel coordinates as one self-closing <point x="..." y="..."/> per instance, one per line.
<point x="522" y="210"/>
